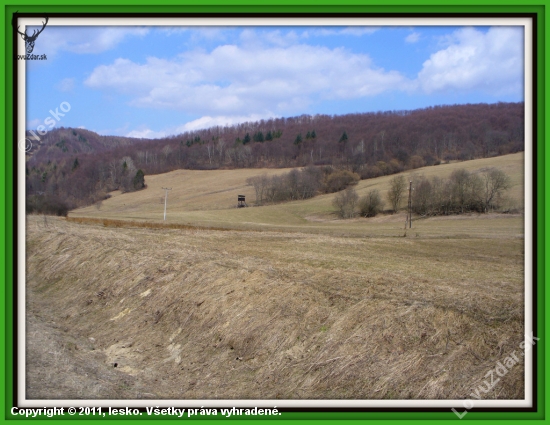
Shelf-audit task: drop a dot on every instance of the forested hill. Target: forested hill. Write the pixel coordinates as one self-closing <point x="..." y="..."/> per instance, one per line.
<point x="79" y="166"/>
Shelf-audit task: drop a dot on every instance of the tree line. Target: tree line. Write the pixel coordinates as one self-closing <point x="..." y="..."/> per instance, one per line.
<point x="56" y="188"/>
<point x="370" y="145"/>
<point x="463" y="192"/>
<point x="300" y="184"/>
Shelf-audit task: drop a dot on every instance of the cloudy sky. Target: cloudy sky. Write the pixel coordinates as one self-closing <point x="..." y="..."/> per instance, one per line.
<point x="156" y="81"/>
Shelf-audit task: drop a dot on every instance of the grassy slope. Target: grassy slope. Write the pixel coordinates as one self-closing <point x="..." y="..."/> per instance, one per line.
<point x="208" y="198"/>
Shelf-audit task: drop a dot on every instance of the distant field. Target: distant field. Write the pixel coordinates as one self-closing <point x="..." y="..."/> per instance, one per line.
<point x="208" y="198"/>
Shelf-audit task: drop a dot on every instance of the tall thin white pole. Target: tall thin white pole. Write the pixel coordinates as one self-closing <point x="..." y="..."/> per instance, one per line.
<point x="166" y="189"/>
<point x="165" y="200"/>
<point x="410" y="204"/>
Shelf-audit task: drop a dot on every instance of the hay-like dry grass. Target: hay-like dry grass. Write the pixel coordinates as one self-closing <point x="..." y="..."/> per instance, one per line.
<point x="191" y="313"/>
<point x="208" y="199"/>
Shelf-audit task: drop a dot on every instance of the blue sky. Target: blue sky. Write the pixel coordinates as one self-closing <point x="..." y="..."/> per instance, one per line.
<point x="157" y="81"/>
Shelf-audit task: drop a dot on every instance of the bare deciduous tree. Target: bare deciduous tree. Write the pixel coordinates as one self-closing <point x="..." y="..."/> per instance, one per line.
<point x="167" y="150"/>
<point x="395" y="194"/>
<point x="113" y="171"/>
<point x="260" y="184"/>
<point x="495" y="182"/>
<point x="220" y="148"/>
<point x="129" y="163"/>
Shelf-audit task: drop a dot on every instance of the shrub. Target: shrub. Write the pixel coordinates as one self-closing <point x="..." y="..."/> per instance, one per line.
<point x="371" y="204"/>
<point x="394" y="167"/>
<point x="49" y="205"/>
<point x="345" y="202"/>
<point x="383" y="167"/>
<point x="429" y="159"/>
<point x="402" y="155"/>
<point x="371" y="172"/>
<point x="416" y="161"/>
<point x="339" y="180"/>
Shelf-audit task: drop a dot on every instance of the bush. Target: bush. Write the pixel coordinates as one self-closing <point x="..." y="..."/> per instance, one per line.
<point x="416" y="161"/>
<point x="49" y="205"/>
<point x="383" y="167"/>
<point x="345" y="202"/>
<point x="429" y="159"/>
<point x="394" y="167"/>
<point x="371" y="204"/>
<point x="340" y="179"/>
<point x="449" y="157"/>
<point x="371" y="172"/>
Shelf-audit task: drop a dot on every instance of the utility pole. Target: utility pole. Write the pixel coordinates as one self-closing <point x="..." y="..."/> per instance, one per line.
<point x="410" y="204"/>
<point x="166" y="189"/>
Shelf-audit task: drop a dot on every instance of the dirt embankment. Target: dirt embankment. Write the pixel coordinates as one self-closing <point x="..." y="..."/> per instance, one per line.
<point x="185" y="314"/>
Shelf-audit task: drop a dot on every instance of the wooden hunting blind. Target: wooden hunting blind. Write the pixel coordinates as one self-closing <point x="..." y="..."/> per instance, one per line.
<point x="241" y="201"/>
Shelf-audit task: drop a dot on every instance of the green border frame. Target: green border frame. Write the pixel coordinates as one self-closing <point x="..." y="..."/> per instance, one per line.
<point x="536" y="7"/>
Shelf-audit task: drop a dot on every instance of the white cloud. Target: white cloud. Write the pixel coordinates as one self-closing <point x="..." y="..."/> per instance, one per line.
<point x="282" y="38"/>
<point x="198" y="124"/>
<point x="34" y="123"/>
<point x="251" y="37"/>
<point x="208" y="122"/>
<point x="84" y="39"/>
<point x="359" y="31"/>
<point x="196" y="34"/>
<point x="239" y="81"/>
<point x="120" y="131"/>
<point x="65" y="85"/>
<point x="490" y="62"/>
<point x="356" y="31"/>
<point x="146" y="133"/>
<point x="271" y="74"/>
<point x="412" y="37"/>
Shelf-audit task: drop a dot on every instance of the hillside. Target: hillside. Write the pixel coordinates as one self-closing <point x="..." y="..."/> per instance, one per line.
<point x="208" y="198"/>
<point x="445" y="132"/>
<point x="76" y="167"/>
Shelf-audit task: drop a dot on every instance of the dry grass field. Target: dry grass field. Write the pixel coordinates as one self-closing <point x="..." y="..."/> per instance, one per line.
<point x="286" y="303"/>
<point x="208" y="198"/>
